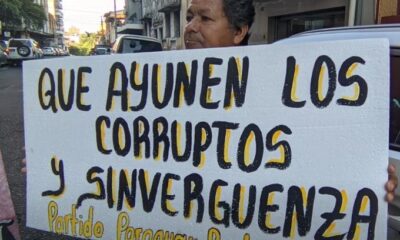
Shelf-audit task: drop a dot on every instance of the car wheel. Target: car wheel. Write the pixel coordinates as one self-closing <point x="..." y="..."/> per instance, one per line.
<point x="24" y="51"/>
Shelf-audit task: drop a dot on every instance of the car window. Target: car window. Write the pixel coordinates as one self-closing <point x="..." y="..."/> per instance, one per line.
<point x="20" y="43"/>
<point x="394" y="134"/>
<point x="101" y="51"/>
<point x="136" y="45"/>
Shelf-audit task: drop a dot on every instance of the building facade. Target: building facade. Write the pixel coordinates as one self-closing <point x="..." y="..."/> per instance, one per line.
<point x="133" y="18"/>
<point x="59" y="17"/>
<point x="43" y="34"/>
<point x="275" y="19"/>
<point x="54" y="22"/>
<point x="112" y="21"/>
<point x="162" y="19"/>
<point x="54" y="27"/>
<point x="388" y="11"/>
<point x="51" y="34"/>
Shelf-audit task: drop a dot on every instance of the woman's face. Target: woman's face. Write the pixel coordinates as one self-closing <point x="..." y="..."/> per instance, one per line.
<point x="207" y="26"/>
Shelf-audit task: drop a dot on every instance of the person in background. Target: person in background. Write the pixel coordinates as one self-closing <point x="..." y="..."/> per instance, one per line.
<point x="226" y="23"/>
<point x="8" y="220"/>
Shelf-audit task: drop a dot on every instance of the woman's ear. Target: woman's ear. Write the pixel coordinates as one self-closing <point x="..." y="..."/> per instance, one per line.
<point x="240" y="34"/>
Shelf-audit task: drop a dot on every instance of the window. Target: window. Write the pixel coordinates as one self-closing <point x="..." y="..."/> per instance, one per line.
<point x="148" y="29"/>
<point x="177" y="24"/>
<point x="172" y="24"/>
<point x="137" y="45"/>
<point x="286" y="26"/>
<point x="167" y="20"/>
<point x="20" y="43"/>
<point x="160" y="33"/>
<point x="394" y="128"/>
<point x="155" y="33"/>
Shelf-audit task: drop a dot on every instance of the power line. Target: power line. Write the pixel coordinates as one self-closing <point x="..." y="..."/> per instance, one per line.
<point x="86" y="11"/>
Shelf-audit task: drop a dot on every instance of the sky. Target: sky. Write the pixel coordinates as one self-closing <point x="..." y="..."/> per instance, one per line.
<point x="86" y="14"/>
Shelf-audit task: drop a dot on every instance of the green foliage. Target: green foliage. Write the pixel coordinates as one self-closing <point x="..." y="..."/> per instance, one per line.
<point x="33" y="14"/>
<point x="13" y="11"/>
<point x="10" y="12"/>
<point x="86" y="43"/>
<point x="74" y="50"/>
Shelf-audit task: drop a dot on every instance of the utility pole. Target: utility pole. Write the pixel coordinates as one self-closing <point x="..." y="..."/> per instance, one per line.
<point x="102" y="31"/>
<point x="115" y="19"/>
<point x="101" y="24"/>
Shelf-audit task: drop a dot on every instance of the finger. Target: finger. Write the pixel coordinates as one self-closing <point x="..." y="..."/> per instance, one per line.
<point x="23" y="169"/>
<point x="392" y="174"/>
<point x="390" y="186"/>
<point x="391" y="169"/>
<point x="389" y="197"/>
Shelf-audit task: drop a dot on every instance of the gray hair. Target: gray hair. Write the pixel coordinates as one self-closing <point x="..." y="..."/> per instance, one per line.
<point x="240" y="13"/>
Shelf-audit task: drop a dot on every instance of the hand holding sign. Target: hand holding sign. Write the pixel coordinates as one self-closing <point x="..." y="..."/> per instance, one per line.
<point x="391" y="184"/>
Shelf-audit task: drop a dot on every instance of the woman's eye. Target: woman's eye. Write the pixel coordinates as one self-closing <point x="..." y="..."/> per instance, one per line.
<point x="189" y="18"/>
<point x="205" y="18"/>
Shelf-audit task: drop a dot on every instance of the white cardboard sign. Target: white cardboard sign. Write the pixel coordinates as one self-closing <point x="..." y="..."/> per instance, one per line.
<point x="246" y="143"/>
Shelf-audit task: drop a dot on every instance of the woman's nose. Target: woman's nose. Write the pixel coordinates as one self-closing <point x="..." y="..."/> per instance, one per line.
<point x="192" y="25"/>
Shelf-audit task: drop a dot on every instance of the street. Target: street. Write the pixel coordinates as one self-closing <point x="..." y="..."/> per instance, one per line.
<point x="11" y="145"/>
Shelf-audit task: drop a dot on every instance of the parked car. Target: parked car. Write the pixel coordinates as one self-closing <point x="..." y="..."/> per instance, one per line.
<point x="129" y="43"/>
<point x="40" y="52"/>
<point x="101" y="51"/>
<point x="65" y="50"/>
<point x="49" y="51"/>
<point x="22" y="49"/>
<point x="57" y="50"/>
<point x="3" y="56"/>
<point x="392" y="33"/>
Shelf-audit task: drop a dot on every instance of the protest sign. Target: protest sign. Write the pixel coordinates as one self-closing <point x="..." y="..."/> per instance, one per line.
<point x="234" y="143"/>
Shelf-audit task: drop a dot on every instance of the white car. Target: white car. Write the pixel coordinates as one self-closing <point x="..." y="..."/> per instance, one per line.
<point x="49" y="51"/>
<point x="22" y="49"/>
<point x="392" y="33"/>
<point x="101" y="51"/>
<point x="130" y="43"/>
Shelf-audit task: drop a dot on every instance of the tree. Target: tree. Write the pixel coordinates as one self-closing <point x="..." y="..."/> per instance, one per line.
<point x="86" y="43"/>
<point x="73" y="31"/>
<point x="33" y="14"/>
<point x="12" y="13"/>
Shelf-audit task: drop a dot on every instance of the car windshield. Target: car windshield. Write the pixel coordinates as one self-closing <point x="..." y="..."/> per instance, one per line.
<point x="136" y="45"/>
<point x="19" y="43"/>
